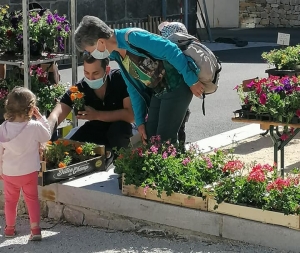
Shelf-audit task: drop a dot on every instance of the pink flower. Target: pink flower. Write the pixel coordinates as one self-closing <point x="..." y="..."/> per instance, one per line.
<point x="154" y="149"/>
<point x="284" y="137"/>
<point x="186" y="161"/>
<point x="146" y="189"/>
<point x="165" y="155"/>
<point x="298" y="113"/>
<point x="208" y="162"/>
<point x="263" y="99"/>
<point x="256" y="176"/>
<point x="232" y="166"/>
<point x="279" y="184"/>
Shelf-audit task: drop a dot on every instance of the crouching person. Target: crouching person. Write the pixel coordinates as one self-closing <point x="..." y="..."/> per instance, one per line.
<point x="108" y="109"/>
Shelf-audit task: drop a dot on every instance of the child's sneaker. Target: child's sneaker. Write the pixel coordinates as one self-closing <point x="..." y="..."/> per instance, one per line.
<point x="35" y="234"/>
<point x="9" y="231"/>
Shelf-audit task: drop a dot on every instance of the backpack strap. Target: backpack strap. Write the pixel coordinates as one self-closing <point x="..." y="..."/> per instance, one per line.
<point x="139" y="50"/>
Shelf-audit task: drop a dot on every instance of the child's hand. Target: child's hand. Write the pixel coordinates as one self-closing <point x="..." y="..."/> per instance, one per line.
<point x="36" y="113"/>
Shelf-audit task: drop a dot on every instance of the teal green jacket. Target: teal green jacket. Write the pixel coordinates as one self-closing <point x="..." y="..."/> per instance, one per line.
<point x="159" y="48"/>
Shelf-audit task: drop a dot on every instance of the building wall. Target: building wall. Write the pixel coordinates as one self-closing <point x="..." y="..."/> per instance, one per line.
<point x="269" y="13"/>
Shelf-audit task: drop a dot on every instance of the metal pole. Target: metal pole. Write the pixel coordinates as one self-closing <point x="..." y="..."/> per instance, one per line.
<point x="73" y="50"/>
<point x="186" y="13"/>
<point x="207" y="20"/>
<point x="26" y="44"/>
<point x="164" y="9"/>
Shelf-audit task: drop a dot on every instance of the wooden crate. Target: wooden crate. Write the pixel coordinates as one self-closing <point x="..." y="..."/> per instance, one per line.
<point x="177" y="199"/>
<point x="255" y="214"/>
<point x="47" y="177"/>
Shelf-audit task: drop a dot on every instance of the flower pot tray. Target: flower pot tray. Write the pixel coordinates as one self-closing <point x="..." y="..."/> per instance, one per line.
<point x="177" y="199"/>
<point x="255" y="214"/>
<point x="95" y="164"/>
<point x="282" y="72"/>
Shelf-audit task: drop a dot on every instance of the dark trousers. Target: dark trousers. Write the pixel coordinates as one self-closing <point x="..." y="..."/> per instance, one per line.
<point x="111" y="134"/>
<point x="166" y="113"/>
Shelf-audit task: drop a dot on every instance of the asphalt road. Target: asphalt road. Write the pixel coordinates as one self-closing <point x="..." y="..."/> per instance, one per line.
<point x="71" y="239"/>
<point x="238" y="65"/>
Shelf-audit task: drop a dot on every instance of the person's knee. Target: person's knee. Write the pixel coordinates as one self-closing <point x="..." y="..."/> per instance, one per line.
<point x="119" y="134"/>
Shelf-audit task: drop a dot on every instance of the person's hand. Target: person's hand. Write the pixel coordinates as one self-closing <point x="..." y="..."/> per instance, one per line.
<point x="42" y="147"/>
<point x="197" y="89"/>
<point x="142" y="132"/>
<point x="36" y="113"/>
<point x="89" y="114"/>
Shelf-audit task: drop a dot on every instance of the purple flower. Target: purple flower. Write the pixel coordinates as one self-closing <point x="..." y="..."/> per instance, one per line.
<point x="34" y="19"/>
<point x="186" y="161"/>
<point x="278" y="89"/>
<point x="165" y="155"/>
<point x="67" y="28"/>
<point x="59" y="18"/>
<point x="59" y="28"/>
<point x="49" y="19"/>
<point x="287" y="87"/>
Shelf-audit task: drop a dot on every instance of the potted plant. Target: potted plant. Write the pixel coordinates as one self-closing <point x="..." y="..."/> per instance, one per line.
<point x="273" y="98"/>
<point x="47" y="31"/>
<point x="258" y="193"/>
<point x="164" y="167"/>
<point x="77" y="98"/>
<point x="286" y="61"/>
<point x="66" y="159"/>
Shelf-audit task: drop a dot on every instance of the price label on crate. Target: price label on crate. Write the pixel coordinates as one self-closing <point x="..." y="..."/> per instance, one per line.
<point x="283" y="39"/>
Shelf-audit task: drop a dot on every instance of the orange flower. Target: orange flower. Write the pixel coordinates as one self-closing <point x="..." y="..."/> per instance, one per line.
<point x="66" y="153"/>
<point x="49" y="143"/>
<point x="78" y="150"/>
<point x="73" y="96"/>
<point x="66" y="143"/>
<point x="62" y="165"/>
<point x="79" y="95"/>
<point x="57" y="142"/>
<point x="74" y="89"/>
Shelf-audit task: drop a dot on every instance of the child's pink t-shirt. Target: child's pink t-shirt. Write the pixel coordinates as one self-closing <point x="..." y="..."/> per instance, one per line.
<point x="19" y="146"/>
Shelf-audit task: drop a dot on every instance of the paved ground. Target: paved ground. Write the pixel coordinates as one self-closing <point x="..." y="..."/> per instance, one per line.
<point x="70" y="239"/>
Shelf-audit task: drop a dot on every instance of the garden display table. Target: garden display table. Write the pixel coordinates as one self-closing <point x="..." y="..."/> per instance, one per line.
<point x="278" y="142"/>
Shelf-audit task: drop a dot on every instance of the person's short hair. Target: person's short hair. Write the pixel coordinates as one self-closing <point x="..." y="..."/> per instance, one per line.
<point x="89" y="30"/>
<point x="19" y="102"/>
<point x="90" y="59"/>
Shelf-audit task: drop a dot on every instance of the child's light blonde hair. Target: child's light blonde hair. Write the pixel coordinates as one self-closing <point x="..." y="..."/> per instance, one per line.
<point x="20" y="101"/>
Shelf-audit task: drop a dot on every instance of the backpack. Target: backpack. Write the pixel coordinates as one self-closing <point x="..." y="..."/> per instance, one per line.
<point x="209" y="65"/>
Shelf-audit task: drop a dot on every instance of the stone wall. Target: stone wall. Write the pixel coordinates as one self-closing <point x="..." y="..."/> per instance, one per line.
<point x="115" y="11"/>
<point x="269" y="13"/>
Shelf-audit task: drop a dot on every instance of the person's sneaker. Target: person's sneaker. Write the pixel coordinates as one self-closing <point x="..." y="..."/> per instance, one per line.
<point x="9" y="231"/>
<point x="36" y="234"/>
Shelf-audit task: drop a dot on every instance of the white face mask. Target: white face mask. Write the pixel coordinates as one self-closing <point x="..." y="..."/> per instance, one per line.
<point x="100" y="55"/>
<point x="96" y="84"/>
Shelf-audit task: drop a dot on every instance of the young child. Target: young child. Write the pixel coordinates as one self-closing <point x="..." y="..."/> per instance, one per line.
<point x="20" y="139"/>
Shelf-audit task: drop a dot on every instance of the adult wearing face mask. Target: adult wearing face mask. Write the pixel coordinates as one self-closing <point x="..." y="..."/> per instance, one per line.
<point x="107" y="106"/>
<point x="161" y="80"/>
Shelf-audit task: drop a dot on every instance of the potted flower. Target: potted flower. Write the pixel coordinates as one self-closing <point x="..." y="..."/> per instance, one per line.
<point x="66" y="159"/>
<point x="165" y="167"/>
<point x="286" y="61"/>
<point x="47" y="94"/>
<point x="272" y="98"/>
<point x="47" y="31"/>
<point x="77" y="98"/>
<point x="3" y="96"/>
<point x="257" y="194"/>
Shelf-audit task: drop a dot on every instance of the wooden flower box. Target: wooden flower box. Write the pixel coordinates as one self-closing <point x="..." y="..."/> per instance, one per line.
<point x="95" y="164"/>
<point x="255" y="214"/>
<point x="177" y="199"/>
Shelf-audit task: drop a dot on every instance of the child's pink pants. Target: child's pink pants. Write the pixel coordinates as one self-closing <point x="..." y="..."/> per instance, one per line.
<point x="12" y="187"/>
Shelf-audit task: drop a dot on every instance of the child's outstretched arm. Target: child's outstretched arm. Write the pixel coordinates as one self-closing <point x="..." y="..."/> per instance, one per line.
<point x="43" y="131"/>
